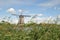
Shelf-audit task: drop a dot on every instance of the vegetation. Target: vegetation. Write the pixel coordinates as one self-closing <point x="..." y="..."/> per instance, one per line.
<point x="30" y="31"/>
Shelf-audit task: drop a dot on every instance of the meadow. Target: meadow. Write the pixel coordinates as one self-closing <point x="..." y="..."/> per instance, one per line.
<point x="30" y="31"/>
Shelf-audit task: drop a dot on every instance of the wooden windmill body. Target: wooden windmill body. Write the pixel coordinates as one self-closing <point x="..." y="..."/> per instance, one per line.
<point x="21" y="19"/>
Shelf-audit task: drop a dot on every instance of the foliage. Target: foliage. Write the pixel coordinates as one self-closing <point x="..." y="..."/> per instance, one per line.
<point x="31" y="31"/>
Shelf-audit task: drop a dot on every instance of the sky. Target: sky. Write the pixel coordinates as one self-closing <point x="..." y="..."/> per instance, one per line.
<point x="45" y="9"/>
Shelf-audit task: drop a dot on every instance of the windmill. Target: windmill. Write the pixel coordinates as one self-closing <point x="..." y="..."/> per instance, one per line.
<point x="21" y="17"/>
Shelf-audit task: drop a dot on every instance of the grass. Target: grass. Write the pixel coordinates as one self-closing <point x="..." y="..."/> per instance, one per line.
<point x="30" y="31"/>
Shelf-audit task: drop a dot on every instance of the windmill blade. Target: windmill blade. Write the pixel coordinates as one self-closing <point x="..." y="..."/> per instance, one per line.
<point x="27" y="15"/>
<point x="15" y="14"/>
<point x="34" y="16"/>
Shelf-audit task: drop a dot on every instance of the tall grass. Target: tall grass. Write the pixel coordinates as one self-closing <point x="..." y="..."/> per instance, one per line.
<point x="31" y="31"/>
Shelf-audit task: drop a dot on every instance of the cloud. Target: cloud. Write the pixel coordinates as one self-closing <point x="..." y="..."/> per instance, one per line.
<point x="34" y="18"/>
<point x="0" y="19"/>
<point x="15" y="2"/>
<point x="10" y="20"/>
<point x="58" y="16"/>
<point x="27" y="12"/>
<point x="37" y="20"/>
<point x="14" y="22"/>
<point x="20" y="10"/>
<point x="11" y="10"/>
<point x="24" y="11"/>
<point x="50" y="3"/>
<point x="39" y="14"/>
<point x="27" y="19"/>
<point x="49" y="19"/>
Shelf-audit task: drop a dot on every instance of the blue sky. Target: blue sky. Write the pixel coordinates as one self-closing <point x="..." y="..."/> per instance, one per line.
<point x="45" y="7"/>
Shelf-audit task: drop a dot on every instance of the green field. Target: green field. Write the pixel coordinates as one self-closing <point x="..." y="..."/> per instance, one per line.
<point x="30" y="31"/>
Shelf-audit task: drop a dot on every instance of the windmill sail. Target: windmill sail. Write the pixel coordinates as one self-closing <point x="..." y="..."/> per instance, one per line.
<point x="15" y="14"/>
<point x="26" y="15"/>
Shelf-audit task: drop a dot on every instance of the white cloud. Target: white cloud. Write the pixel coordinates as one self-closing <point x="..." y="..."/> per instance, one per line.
<point x="20" y="10"/>
<point x="44" y="19"/>
<point x="11" y="10"/>
<point x="35" y="15"/>
<point x="58" y="16"/>
<point x="0" y="19"/>
<point x="27" y="19"/>
<point x="23" y="11"/>
<point x="11" y="20"/>
<point x="14" y="22"/>
<point x="39" y="14"/>
<point x="50" y="3"/>
<point x="34" y="18"/>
